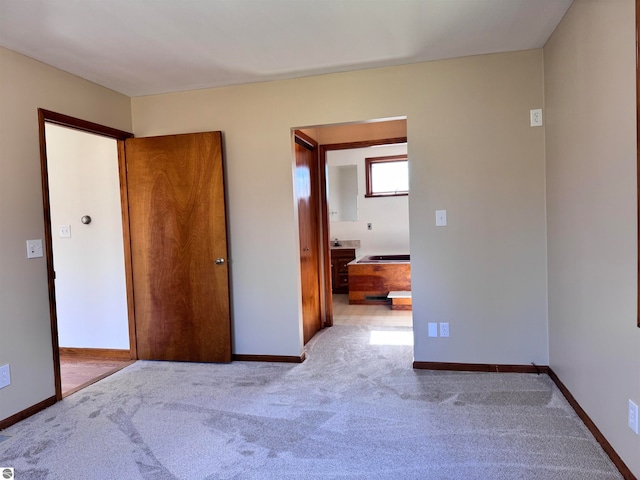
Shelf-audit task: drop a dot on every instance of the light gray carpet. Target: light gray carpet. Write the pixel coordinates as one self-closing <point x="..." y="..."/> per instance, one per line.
<point x="352" y="410"/>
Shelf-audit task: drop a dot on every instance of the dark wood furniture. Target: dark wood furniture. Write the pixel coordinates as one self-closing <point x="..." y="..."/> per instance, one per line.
<point x="340" y="257"/>
<point x="370" y="283"/>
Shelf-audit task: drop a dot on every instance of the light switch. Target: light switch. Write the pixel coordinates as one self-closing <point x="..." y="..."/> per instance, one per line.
<point x="65" y="231"/>
<point x="441" y="218"/>
<point x="34" y="248"/>
<point x="433" y="329"/>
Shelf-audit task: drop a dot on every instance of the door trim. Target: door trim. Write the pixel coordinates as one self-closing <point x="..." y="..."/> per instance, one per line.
<point x="47" y="116"/>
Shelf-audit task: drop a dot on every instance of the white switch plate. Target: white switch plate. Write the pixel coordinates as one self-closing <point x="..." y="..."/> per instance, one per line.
<point x="34" y="248"/>
<point x="536" y="117"/>
<point x="633" y="417"/>
<point x="444" y="329"/>
<point x="441" y="218"/>
<point x="433" y="329"/>
<point x="65" y="231"/>
<point x="5" y="376"/>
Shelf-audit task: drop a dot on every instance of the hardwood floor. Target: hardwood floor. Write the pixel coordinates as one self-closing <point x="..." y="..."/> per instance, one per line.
<point x="372" y="315"/>
<point x="79" y="372"/>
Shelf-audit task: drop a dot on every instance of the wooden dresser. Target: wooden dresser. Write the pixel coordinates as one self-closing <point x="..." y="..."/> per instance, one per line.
<point x="340" y="257"/>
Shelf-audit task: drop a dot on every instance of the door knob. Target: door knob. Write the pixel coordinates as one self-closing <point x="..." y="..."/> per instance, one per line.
<point x="219" y="261"/>
<point x="306" y="249"/>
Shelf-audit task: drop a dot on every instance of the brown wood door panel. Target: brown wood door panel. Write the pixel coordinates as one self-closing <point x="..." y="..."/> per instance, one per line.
<point x="307" y="196"/>
<point x="178" y="230"/>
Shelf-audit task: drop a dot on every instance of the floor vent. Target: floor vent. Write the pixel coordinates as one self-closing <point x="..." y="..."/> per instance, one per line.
<point x="376" y="298"/>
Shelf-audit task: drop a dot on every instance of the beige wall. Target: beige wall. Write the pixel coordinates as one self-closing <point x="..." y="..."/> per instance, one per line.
<point x="472" y="152"/>
<point x="25" y="335"/>
<point x="589" y="65"/>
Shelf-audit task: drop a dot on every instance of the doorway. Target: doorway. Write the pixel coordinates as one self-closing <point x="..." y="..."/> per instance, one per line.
<point x="363" y="224"/>
<point x="88" y="255"/>
<point x="87" y="269"/>
<point x="378" y="138"/>
<point x="181" y="198"/>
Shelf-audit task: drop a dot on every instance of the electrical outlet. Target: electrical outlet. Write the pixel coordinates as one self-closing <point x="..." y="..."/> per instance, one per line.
<point x="536" y="117"/>
<point x="34" y="248"/>
<point x="65" y="231"/>
<point x="444" y="329"/>
<point x="633" y="417"/>
<point x="5" y="376"/>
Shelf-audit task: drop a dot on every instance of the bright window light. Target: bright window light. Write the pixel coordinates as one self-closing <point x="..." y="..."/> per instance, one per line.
<point x="391" y="337"/>
<point x="387" y="176"/>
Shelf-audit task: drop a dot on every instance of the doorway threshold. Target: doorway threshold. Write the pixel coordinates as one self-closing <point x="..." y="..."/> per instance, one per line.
<point x="78" y="373"/>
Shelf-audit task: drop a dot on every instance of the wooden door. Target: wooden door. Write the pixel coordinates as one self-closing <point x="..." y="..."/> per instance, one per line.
<point x="307" y="195"/>
<point x="179" y="247"/>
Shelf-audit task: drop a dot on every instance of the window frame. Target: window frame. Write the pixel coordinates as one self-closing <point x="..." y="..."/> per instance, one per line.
<point x="368" y="162"/>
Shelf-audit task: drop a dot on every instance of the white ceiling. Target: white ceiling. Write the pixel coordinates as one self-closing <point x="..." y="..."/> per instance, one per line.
<point x="144" y="47"/>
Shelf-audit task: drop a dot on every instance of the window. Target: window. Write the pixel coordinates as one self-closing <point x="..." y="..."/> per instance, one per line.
<point x="387" y="176"/>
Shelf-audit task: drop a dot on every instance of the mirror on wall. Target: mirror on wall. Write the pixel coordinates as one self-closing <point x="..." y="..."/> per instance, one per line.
<point x="343" y="193"/>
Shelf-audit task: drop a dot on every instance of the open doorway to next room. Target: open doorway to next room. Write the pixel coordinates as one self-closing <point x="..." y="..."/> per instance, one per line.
<point x="364" y="168"/>
<point x="88" y="255"/>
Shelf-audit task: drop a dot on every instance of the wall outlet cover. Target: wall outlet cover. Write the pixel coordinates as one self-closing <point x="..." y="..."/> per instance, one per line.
<point x="633" y="417"/>
<point x="536" y="117"/>
<point x="65" y="231"/>
<point x="444" y="329"/>
<point x="34" y="248"/>
<point x="5" y="376"/>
